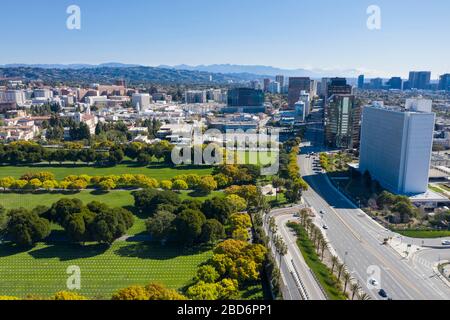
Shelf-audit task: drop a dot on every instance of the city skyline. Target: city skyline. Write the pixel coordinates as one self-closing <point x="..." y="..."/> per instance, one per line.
<point x="290" y="35"/>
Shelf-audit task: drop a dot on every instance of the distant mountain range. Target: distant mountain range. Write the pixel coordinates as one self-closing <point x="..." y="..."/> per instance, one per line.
<point x="260" y="70"/>
<point x="242" y="71"/>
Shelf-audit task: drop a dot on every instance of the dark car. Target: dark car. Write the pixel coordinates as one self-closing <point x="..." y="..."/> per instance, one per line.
<point x="382" y="293"/>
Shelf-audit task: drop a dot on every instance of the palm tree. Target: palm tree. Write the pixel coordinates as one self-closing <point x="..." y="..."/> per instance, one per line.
<point x="323" y="246"/>
<point x="318" y="240"/>
<point x="334" y="261"/>
<point x="340" y="268"/>
<point x="308" y="226"/>
<point x="347" y="277"/>
<point x="364" y="296"/>
<point x="303" y="217"/>
<point x="272" y="225"/>
<point x="314" y="234"/>
<point x="355" y="287"/>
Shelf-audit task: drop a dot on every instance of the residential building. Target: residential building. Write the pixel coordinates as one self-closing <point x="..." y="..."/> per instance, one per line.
<point x="13" y="96"/>
<point x="396" y="147"/>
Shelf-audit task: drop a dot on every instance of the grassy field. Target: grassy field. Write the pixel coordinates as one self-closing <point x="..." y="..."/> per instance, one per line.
<point x="323" y="274"/>
<point x="113" y="198"/>
<point x="424" y="234"/>
<point x="30" y="200"/>
<point x="42" y="270"/>
<point x="158" y="172"/>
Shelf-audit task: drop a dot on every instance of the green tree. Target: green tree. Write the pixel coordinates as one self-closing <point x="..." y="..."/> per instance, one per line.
<point x="166" y="185"/>
<point x="180" y="185"/>
<point x="132" y="293"/>
<point x="206" y="185"/>
<point x="160" y="225"/>
<point x="66" y="295"/>
<point x="237" y="203"/>
<point x="207" y="274"/>
<point x="189" y="225"/>
<point x="203" y="291"/>
<point x="107" y="184"/>
<point x="25" y="228"/>
<point x="217" y="208"/>
<point x="212" y="231"/>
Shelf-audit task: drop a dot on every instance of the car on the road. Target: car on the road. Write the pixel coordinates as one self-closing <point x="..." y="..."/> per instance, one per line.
<point x="382" y="293"/>
<point x="322" y="212"/>
<point x="325" y="227"/>
<point x="446" y="242"/>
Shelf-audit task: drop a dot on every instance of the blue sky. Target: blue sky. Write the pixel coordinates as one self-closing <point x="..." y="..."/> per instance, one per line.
<point x="326" y="34"/>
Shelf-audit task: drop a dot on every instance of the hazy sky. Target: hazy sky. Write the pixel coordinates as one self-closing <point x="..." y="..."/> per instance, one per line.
<point x="326" y="34"/>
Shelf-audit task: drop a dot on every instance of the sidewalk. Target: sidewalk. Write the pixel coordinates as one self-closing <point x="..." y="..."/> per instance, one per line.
<point x="405" y="250"/>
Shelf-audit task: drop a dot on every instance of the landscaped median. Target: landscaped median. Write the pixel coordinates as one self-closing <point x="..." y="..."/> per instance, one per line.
<point x="326" y="278"/>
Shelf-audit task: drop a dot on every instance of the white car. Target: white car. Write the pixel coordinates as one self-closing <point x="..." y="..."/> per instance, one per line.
<point x="446" y="243"/>
<point x="325" y="227"/>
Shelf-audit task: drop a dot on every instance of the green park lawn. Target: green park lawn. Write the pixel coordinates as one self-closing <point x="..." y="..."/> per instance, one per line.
<point x="41" y="271"/>
<point x="32" y="200"/>
<point x="158" y="172"/>
<point x="424" y="234"/>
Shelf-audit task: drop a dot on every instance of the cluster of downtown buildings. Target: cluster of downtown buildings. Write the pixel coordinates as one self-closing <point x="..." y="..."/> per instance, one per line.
<point x="394" y="142"/>
<point x="419" y="80"/>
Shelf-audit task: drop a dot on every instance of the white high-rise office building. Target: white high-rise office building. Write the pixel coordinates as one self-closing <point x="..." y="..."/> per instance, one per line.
<point x="274" y="87"/>
<point x="306" y="98"/>
<point x="300" y="110"/>
<point x="396" y="147"/>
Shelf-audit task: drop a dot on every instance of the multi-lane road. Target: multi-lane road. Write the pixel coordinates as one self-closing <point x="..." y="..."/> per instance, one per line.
<point x="358" y="240"/>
